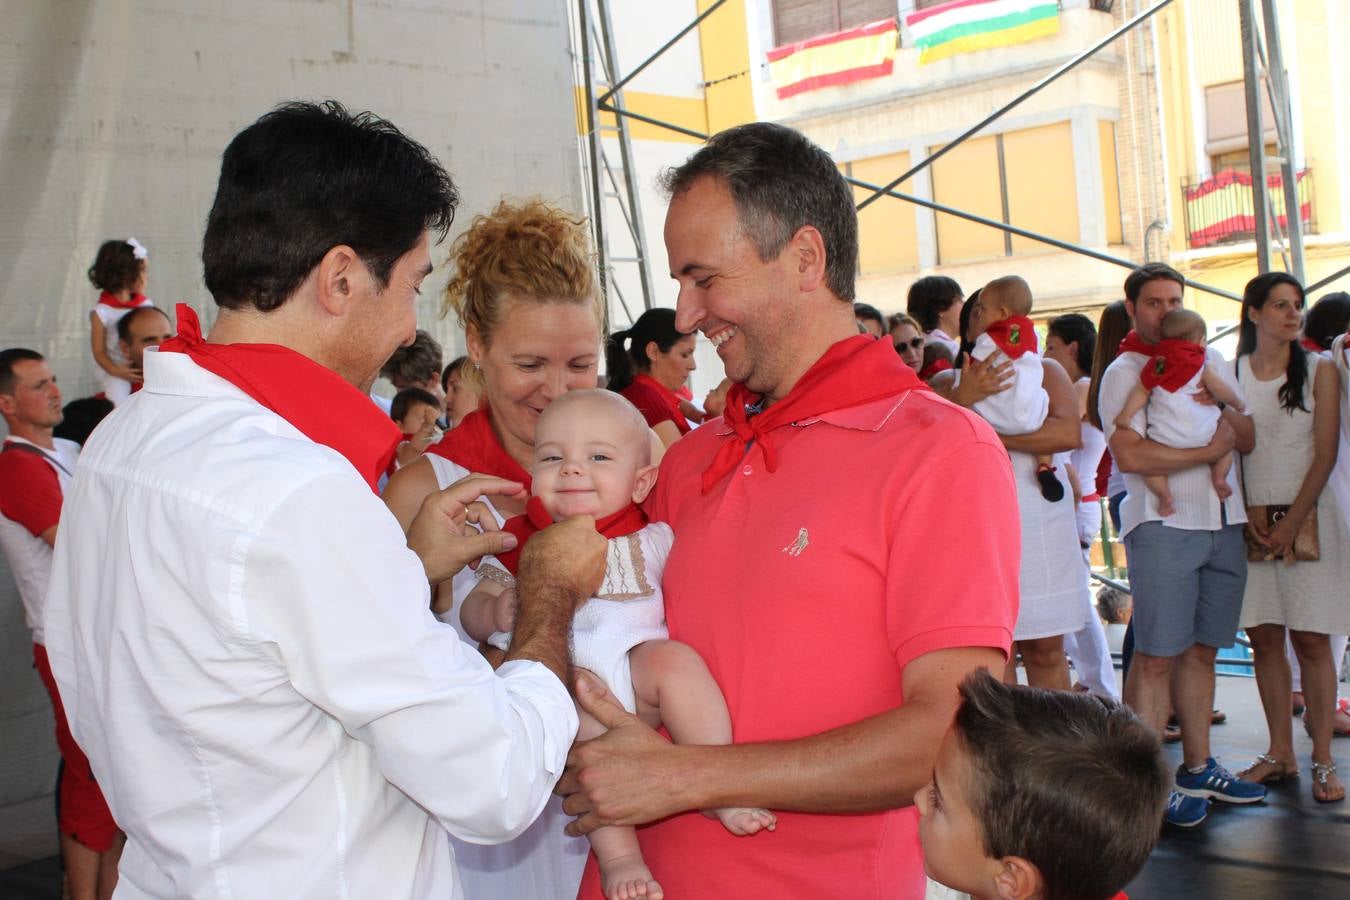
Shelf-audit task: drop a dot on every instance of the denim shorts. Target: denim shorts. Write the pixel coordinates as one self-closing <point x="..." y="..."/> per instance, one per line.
<point x="1187" y="586"/>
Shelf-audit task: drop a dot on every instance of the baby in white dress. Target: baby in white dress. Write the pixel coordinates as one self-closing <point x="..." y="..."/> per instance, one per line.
<point x="1167" y="387"/>
<point x="1004" y="332"/>
<point x="592" y="456"/>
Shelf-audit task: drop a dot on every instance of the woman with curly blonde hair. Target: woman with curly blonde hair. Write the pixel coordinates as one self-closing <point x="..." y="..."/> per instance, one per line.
<point x="524" y="289"/>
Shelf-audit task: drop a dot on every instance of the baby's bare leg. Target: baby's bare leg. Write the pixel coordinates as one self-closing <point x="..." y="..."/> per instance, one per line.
<point x="1158" y="485"/>
<point x="623" y="872"/>
<point x="672" y="678"/>
<point x="1218" y="474"/>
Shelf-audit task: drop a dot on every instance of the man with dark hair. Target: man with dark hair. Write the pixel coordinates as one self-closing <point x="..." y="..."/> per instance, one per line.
<point x="935" y="301"/>
<point x="1188" y="570"/>
<point x="144" y="326"/>
<point x="1026" y="774"/>
<point x="870" y="319"/>
<point x="836" y="632"/>
<point x="417" y="365"/>
<point x="35" y="473"/>
<point x="288" y="718"/>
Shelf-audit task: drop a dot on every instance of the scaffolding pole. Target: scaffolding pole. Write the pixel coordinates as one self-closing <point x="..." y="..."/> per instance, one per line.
<point x="1029" y="92"/>
<point x="1318" y="285"/>
<point x="1277" y="82"/>
<point x="1256" y="138"/>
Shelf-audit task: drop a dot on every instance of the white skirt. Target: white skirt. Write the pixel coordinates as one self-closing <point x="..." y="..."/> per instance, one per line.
<point x="1054" y="591"/>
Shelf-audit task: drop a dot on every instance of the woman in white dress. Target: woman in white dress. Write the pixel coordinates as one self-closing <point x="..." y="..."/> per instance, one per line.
<point x="525" y="291"/>
<point x="1295" y="401"/>
<point x="1055" y="600"/>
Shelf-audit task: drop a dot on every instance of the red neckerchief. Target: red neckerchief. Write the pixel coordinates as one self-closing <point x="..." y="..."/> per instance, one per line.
<point x="473" y="445"/>
<point x="671" y="400"/>
<point x="1133" y="343"/>
<point x="1312" y="346"/>
<point x="1173" y="363"/>
<point x="1015" y="336"/>
<point x="108" y="299"/>
<point x="854" y="371"/>
<point x="316" y="400"/>
<point x="934" y="367"/>
<point x="626" y="521"/>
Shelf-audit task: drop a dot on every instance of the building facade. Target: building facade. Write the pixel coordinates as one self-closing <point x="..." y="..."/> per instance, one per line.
<point x="1138" y="153"/>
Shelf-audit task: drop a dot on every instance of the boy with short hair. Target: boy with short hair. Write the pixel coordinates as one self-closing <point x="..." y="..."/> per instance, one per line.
<point x="1041" y="795"/>
<point x="415" y="411"/>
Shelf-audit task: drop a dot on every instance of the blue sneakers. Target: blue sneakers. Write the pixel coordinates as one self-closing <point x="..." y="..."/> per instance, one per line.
<point x="1217" y="783"/>
<point x="1184" y="811"/>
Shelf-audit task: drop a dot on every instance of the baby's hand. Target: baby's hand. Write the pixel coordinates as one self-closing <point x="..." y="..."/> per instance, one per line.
<point x="504" y="611"/>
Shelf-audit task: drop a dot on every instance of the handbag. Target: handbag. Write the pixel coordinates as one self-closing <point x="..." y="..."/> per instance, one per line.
<point x="1306" y="546"/>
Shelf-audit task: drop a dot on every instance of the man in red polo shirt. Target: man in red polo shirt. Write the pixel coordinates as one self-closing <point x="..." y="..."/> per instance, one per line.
<point x="35" y="469"/>
<point x="837" y="614"/>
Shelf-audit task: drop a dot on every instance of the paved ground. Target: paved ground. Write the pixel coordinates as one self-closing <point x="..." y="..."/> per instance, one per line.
<point x="1286" y="847"/>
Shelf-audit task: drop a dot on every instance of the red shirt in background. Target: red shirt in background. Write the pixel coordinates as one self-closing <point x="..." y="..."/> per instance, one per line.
<point x="888" y="531"/>
<point x="655" y="402"/>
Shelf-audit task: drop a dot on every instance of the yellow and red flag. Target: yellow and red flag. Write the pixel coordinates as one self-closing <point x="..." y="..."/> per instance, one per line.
<point x="829" y="60"/>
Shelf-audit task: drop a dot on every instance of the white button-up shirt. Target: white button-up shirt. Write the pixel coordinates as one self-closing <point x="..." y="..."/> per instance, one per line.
<point x="1197" y="504"/>
<point x="267" y="701"/>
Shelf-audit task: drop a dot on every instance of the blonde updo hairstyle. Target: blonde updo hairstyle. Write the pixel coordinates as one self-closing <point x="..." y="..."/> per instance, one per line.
<point x="526" y="251"/>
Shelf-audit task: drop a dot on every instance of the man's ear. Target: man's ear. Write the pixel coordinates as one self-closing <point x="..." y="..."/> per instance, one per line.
<point x="808" y="255"/>
<point x="7" y="405"/>
<point x="1017" y="879"/>
<point x="644" y="482"/>
<point x="340" y="278"/>
<point x="125" y="348"/>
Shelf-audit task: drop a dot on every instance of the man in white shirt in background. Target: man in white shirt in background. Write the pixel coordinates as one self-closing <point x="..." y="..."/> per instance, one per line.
<point x="1188" y="571"/>
<point x="35" y="472"/>
<point x="257" y="677"/>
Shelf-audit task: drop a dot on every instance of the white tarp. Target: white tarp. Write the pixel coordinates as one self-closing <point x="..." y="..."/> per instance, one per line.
<point x="113" y="115"/>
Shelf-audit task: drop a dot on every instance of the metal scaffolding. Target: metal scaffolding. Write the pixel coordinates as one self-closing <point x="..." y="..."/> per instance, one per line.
<point x="1276" y="83"/>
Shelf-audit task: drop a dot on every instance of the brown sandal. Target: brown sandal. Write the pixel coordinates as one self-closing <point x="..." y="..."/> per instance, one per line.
<point x="1281" y="771"/>
<point x="1322" y="773"/>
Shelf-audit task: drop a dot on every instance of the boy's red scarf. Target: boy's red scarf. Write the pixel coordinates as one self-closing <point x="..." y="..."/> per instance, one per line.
<point x="1173" y="363"/>
<point x="112" y="300"/>
<point x="1133" y="343"/>
<point x="1312" y="346"/>
<point x="317" y="401"/>
<point x="1015" y="336"/>
<point x="855" y="371"/>
<point x="473" y="445"/>
<point x="671" y="400"/>
<point x="626" y="521"/>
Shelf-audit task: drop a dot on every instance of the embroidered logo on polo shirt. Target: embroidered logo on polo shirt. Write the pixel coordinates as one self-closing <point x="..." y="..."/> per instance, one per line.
<point x="797" y="546"/>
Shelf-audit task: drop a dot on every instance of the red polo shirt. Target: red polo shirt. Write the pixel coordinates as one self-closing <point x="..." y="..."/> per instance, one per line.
<point x="888" y="531"/>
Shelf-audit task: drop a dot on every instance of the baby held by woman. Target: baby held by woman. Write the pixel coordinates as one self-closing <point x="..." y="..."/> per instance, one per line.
<point x="592" y="456"/>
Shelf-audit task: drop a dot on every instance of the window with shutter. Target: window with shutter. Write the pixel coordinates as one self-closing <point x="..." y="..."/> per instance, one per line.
<point x="798" y="20"/>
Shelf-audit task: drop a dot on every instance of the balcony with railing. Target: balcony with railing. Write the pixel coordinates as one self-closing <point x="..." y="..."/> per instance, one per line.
<point x="1219" y="208"/>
